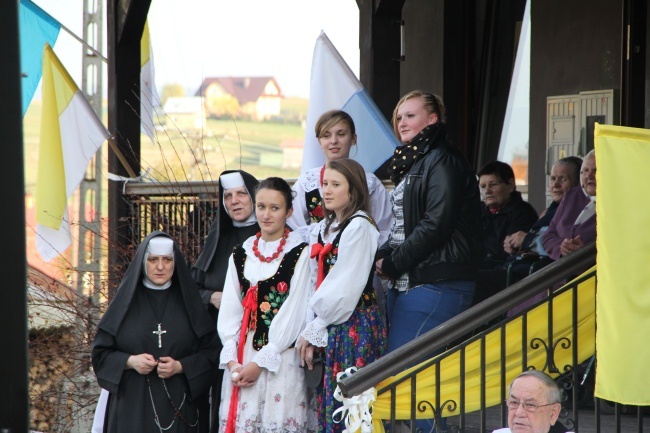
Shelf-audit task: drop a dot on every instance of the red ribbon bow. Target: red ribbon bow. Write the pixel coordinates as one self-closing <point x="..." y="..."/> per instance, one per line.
<point x="320" y="251"/>
<point x="322" y="172"/>
<point x="250" y="307"/>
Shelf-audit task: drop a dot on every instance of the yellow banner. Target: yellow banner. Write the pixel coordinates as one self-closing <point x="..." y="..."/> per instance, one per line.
<point x="58" y="90"/>
<point x="623" y="301"/>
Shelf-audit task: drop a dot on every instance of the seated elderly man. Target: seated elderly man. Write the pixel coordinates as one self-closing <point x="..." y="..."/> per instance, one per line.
<point x="533" y="404"/>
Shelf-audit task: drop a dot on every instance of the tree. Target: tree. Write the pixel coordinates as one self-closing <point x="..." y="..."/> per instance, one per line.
<point x="222" y="105"/>
<point x="172" y="90"/>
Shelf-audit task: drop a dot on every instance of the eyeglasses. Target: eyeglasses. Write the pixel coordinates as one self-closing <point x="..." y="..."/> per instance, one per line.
<point x="490" y="185"/>
<point x="528" y="406"/>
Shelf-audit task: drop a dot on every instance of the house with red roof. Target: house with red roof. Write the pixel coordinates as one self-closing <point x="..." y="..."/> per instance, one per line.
<point x="255" y="98"/>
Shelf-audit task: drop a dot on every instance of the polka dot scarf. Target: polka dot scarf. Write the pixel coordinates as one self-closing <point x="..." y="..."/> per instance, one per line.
<point x="405" y="156"/>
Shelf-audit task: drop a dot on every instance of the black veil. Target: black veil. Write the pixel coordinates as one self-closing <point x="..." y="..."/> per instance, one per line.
<point x="209" y="271"/>
<point x="114" y="315"/>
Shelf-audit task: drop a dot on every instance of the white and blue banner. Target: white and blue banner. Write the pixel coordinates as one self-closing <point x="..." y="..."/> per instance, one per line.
<point x="334" y="86"/>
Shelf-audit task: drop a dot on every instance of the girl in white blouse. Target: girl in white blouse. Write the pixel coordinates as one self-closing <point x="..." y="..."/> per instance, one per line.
<point x="345" y="329"/>
<point x="337" y="137"/>
<point x="263" y="310"/>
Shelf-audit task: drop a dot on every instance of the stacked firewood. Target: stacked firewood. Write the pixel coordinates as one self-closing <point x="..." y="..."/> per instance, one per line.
<point x="52" y="363"/>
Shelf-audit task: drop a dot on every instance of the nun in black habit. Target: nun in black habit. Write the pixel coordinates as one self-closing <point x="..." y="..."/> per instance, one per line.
<point x="225" y="233"/>
<point x="156" y="348"/>
<point x="209" y="271"/>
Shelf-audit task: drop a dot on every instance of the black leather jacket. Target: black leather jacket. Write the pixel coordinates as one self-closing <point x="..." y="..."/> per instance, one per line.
<point x="442" y="219"/>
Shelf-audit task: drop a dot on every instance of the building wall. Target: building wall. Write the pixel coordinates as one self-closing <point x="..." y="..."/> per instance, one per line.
<point x="451" y="48"/>
<point x="267" y="107"/>
<point x="576" y="46"/>
<point x="437" y="53"/>
<point x="423" y="46"/>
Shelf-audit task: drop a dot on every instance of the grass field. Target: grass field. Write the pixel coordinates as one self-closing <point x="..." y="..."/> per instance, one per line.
<point x="224" y="145"/>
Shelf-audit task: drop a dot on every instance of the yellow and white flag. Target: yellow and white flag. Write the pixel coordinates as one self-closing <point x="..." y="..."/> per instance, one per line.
<point x="148" y="94"/>
<point x="71" y="133"/>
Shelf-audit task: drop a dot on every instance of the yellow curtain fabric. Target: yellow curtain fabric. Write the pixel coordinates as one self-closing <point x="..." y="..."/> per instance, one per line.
<point x="536" y="328"/>
<point x="623" y="300"/>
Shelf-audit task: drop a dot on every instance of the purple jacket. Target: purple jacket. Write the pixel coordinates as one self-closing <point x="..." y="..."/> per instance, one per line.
<point x="562" y="227"/>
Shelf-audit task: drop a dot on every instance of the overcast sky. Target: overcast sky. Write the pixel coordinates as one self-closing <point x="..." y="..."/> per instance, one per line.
<point x="193" y="39"/>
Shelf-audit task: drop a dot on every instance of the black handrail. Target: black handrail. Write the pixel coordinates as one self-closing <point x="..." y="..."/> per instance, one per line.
<point x="464" y="323"/>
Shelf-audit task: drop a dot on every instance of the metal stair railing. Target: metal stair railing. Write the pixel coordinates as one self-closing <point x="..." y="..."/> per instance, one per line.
<point x="554" y="335"/>
<point x="464" y="323"/>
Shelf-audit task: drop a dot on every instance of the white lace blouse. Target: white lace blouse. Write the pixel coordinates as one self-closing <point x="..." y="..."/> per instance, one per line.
<point x="380" y="206"/>
<point x="290" y="319"/>
<point x="335" y="300"/>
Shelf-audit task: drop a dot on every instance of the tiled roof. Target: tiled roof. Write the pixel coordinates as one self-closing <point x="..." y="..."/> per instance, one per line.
<point x="244" y="89"/>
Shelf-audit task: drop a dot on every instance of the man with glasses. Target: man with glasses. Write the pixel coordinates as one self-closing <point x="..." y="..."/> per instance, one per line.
<point x="533" y="404"/>
<point x="504" y="212"/>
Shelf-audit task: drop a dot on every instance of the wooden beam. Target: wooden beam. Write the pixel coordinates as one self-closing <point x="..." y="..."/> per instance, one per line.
<point x="633" y="61"/>
<point x="379" y="45"/>
<point x="14" y="402"/>
<point x="389" y="7"/>
<point x="125" y="21"/>
<point x="131" y="16"/>
<point x="384" y="6"/>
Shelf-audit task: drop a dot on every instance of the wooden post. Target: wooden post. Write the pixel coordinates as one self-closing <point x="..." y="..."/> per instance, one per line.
<point x="14" y="400"/>
<point x="125" y="22"/>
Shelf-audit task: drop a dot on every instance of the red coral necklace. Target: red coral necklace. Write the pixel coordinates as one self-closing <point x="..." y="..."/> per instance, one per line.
<point x="276" y="254"/>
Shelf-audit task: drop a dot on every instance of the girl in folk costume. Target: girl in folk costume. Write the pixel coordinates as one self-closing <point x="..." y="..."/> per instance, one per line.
<point x="346" y="330"/>
<point x="264" y="306"/>
<point x="336" y="135"/>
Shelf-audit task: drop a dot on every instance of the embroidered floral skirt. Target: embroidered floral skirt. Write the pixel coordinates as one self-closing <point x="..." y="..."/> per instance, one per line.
<point x="276" y="403"/>
<point x="354" y="343"/>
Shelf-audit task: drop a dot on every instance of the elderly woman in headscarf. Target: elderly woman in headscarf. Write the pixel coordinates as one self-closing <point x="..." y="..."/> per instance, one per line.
<point x="574" y="222"/>
<point x="235" y="222"/>
<point x="155" y="350"/>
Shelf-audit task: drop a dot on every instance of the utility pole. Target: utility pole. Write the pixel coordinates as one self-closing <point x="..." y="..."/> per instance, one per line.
<point x="90" y="260"/>
<point x="89" y="254"/>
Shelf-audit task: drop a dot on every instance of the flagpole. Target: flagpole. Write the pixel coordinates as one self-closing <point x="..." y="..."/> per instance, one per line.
<point x="84" y="43"/>
<point x="120" y="156"/>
